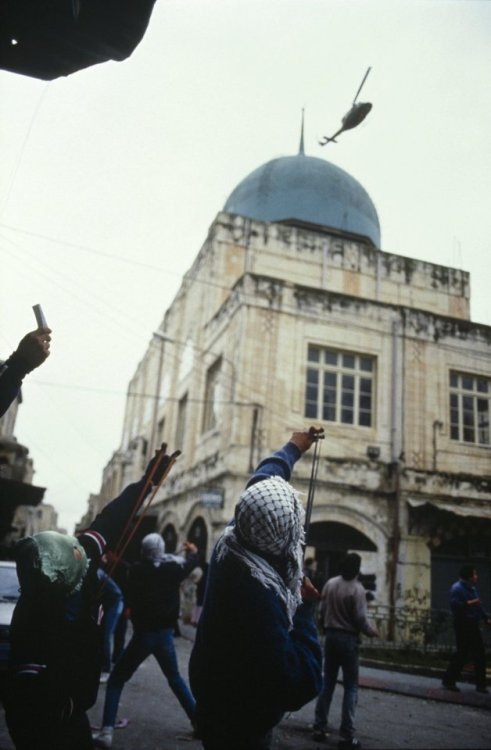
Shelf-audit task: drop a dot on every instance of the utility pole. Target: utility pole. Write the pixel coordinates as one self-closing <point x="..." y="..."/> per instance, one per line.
<point x="395" y="477"/>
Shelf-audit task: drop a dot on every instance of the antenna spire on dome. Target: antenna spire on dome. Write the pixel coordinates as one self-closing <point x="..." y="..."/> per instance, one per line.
<point x="301" y="149"/>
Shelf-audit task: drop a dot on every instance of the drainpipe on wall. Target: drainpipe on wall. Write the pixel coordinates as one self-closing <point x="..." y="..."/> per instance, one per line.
<point x="254" y="446"/>
<point x="377" y="275"/>
<point x="395" y="471"/>
<point x="153" y="435"/>
<point x="395" y="468"/>
<point x="437" y="425"/>
<point x="326" y="244"/>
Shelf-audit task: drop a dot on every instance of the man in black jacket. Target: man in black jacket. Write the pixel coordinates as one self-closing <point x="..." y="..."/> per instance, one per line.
<point x="153" y="600"/>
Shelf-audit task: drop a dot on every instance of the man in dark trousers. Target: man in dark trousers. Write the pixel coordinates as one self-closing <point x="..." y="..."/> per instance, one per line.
<point x="256" y="654"/>
<point x="153" y="600"/>
<point x="467" y="613"/>
<point x="343" y="613"/>
<point x="111" y="599"/>
<point x="56" y="644"/>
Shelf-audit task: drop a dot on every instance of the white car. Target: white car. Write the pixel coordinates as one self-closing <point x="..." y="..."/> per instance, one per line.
<point x="9" y="593"/>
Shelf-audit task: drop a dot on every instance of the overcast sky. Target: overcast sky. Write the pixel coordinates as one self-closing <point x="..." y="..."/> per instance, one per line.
<point x="111" y="177"/>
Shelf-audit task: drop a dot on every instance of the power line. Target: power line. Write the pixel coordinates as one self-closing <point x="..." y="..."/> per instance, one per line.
<point x="73" y="294"/>
<point x="136" y="394"/>
<point x="24" y="145"/>
<point x="112" y="256"/>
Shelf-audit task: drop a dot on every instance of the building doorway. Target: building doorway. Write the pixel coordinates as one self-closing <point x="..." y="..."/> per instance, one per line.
<point x="448" y="558"/>
<point x="198" y="535"/>
<point x="331" y="541"/>
<point x="169" y="535"/>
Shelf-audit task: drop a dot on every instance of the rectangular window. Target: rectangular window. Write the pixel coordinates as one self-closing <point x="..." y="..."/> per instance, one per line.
<point x="160" y="432"/>
<point x="339" y="387"/>
<point x="181" y="421"/>
<point x="212" y="396"/>
<point x="470" y="406"/>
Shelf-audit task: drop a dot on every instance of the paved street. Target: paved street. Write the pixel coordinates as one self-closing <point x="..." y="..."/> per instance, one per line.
<point x="395" y="711"/>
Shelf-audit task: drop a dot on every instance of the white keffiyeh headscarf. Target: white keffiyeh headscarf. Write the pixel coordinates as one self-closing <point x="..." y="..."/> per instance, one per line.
<point x="269" y="520"/>
<point x="153" y="549"/>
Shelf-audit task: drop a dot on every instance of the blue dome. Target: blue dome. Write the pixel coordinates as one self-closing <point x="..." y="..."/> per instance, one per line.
<point x="306" y="189"/>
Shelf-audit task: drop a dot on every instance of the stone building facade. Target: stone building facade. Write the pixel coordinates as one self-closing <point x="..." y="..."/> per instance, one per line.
<point x="21" y="508"/>
<point x="296" y="317"/>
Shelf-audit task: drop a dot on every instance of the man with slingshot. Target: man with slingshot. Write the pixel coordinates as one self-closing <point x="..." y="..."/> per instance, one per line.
<point x="56" y="643"/>
<point x="256" y="654"/>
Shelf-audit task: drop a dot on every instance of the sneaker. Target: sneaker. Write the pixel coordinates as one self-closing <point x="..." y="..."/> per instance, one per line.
<point x="319" y="735"/>
<point x="352" y="743"/>
<point x="104" y="677"/>
<point x="103" y="738"/>
<point x="450" y="686"/>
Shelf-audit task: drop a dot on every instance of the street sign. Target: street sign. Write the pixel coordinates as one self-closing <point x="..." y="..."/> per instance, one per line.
<point x="211" y="498"/>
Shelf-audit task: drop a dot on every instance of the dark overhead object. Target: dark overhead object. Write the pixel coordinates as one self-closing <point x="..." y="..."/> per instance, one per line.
<point x="51" y="38"/>
<point x="356" y="115"/>
<point x="14" y="493"/>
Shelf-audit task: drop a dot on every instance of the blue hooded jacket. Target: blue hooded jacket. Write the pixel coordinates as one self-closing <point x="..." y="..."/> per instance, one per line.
<point x="247" y="667"/>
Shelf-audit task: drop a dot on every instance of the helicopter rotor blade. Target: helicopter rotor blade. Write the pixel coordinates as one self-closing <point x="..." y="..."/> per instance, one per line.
<point x="361" y="84"/>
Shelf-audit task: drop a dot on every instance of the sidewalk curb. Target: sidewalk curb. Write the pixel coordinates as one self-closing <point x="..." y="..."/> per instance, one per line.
<point x="433" y="694"/>
<point x="434" y="672"/>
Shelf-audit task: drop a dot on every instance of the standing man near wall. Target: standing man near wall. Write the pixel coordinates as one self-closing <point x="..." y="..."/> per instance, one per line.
<point x="343" y="613"/>
<point x="467" y="613"/>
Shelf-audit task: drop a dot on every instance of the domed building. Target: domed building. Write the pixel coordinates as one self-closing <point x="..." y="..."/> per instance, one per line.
<point x="304" y="190"/>
<point x="292" y="314"/>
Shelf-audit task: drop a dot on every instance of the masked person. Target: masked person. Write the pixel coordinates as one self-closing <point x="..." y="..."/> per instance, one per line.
<point x="256" y="653"/>
<point x="153" y="600"/>
<point x="56" y="643"/>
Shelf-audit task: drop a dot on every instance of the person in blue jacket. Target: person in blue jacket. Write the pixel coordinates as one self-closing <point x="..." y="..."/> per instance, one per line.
<point x="256" y="653"/>
<point x="468" y="612"/>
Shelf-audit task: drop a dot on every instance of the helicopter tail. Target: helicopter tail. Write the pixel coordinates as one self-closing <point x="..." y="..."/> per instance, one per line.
<point x="326" y="140"/>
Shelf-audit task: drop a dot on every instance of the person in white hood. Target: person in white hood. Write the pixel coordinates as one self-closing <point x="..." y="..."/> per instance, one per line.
<point x="153" y="600"/>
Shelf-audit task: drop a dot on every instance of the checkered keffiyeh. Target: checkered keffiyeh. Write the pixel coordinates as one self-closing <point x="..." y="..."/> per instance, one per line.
<point x="269" y="520"/>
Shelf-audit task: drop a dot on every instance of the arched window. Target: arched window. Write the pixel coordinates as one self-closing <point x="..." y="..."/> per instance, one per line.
<point x="169" y="535"/>
<point x="331" y="541"/>
<point x="198" y="535"/>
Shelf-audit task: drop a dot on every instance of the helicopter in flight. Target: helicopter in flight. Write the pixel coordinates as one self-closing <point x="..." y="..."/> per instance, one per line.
<point x="356" y="115"/>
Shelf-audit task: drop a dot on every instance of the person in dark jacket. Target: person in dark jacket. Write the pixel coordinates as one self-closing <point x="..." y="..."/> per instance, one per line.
<point x="120" y="575"/>
<point x="468" y="612"/>
<point x="31" y="352"/>
<point x="153" y="600"/>
<point x="56" y="643"/>
<point x="256" y="653"/>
